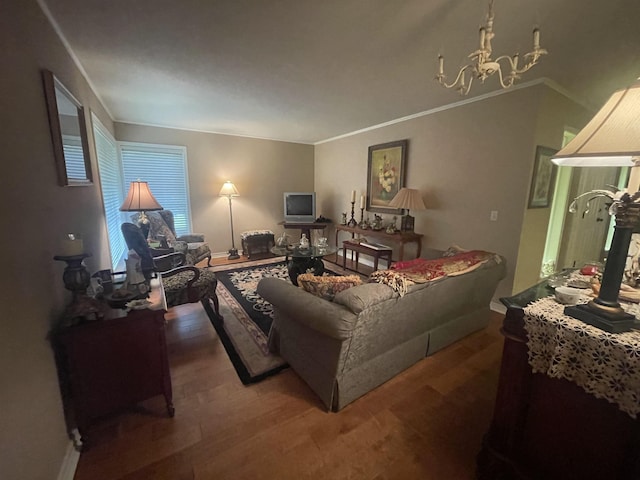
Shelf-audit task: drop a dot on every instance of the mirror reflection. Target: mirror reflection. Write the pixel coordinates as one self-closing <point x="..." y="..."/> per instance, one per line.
<point x="66" y="118"/>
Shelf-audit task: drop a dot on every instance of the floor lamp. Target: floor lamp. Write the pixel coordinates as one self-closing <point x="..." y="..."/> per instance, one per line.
<point x="612" y="139"/>
<point x="140" y="199"/>
<point x="229" y="190"/>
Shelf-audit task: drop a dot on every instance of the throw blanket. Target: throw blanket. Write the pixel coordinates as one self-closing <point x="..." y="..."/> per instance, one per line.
<point x="404" y="274"/>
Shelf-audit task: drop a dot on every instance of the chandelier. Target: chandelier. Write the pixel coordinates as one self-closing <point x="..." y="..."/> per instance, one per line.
<point x="483" y="66"/>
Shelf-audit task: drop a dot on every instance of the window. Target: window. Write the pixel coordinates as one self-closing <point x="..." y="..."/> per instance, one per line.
<point x="164" y="167"/>
<point x="112" y="190"/>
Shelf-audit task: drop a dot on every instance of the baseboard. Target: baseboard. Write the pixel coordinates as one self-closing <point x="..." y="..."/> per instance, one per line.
<point x="70" y="461"/>
<point x="498" y="307"/>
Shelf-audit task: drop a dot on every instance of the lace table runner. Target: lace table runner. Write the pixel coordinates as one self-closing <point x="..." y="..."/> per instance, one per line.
<point x="606" y="365"/>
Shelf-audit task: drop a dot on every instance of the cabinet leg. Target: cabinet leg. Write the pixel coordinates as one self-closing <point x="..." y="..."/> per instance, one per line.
<point x="171" y="411"/>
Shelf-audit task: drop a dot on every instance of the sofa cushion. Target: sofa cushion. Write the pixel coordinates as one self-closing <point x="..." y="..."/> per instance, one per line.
<point x="327" y="286"/>
<point x="357" y="299"/>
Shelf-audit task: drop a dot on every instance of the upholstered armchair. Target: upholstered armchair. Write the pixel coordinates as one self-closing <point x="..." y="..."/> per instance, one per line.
<point x="181" y="283"/>
<point x="162" y="229"/>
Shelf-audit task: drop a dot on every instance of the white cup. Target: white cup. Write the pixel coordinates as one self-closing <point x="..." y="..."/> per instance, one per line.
<point x="568" y="295"/>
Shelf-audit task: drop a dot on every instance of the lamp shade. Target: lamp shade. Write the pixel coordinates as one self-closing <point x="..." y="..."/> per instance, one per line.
<point x="408" y="198"/>
<point x="140" y="199"/>
<point x="228" y="190"/>
<point x="611" y="138"/>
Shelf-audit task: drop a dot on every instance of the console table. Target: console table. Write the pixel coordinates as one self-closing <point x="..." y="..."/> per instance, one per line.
<point x="305" y="227"/>
<point x="113" y="363"/>
<point x="399" y="237"/>
<point x="549" y="427"/>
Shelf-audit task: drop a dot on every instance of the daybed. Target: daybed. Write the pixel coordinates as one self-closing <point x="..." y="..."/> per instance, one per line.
<point x="369" y="333"/>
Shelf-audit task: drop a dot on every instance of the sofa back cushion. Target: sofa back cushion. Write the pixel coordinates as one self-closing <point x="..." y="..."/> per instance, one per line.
<point x="364" y="296"/>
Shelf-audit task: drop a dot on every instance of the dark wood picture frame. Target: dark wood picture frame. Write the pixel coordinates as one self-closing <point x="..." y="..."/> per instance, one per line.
<point x="386" y="172"/>
<point x="543" y="179"/>
<point x="68" y="128"/>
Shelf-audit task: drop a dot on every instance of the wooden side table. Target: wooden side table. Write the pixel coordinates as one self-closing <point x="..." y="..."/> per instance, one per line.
<point x="550" y="428"/>
<point x="358" y="248"/>
<point x="114" y="363"/>
<point x="401" y="238"/>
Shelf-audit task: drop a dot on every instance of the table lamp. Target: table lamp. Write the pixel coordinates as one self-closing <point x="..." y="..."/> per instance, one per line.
<point x="611" y="139"/>
<point x="140" y="199"/>
<point x="229" y="190"/>
<point x="409" y="199"/>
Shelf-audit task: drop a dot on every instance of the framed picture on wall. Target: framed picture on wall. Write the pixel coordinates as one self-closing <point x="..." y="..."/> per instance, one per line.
<point x="544" y="176"/>
<point x="385" y="175"/>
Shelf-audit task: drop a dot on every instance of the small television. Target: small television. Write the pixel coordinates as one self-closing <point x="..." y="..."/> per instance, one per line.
<point x="300" y="207"/>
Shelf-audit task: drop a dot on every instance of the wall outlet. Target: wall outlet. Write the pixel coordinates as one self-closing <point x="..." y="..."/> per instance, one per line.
<point x="494" y="216"/>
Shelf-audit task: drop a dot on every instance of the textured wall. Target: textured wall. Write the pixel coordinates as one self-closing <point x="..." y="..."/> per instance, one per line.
<point x="36" y="213"/>
<point x="467" y="161"/>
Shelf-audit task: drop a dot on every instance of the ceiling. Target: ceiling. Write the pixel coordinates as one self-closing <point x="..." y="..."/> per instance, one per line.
<point x="306" y="71"/>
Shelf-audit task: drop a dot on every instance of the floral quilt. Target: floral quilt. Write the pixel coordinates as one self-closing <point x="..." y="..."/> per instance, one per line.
<point x="404" y="274"/>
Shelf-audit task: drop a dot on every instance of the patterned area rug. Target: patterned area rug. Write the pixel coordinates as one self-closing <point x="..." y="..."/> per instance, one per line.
<point x="247" y="319"/>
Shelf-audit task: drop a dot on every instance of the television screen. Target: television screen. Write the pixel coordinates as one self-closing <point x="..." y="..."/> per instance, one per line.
<point x="299" y="207"/>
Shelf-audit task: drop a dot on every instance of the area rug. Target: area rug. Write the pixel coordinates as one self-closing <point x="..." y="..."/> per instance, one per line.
<point x="244" y="331"/>
<point x="247" y="318"/>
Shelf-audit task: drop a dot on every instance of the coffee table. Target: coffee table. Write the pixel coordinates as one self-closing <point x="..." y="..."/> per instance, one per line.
<point x="304" y="260"/>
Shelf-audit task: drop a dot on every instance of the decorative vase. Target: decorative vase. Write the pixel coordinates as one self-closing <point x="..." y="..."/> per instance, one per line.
<point x="304" y="242"/>
<point x="282" y="241"/>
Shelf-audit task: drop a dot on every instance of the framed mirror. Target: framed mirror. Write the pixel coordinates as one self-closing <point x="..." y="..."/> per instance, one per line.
<point x="68" y="133"/>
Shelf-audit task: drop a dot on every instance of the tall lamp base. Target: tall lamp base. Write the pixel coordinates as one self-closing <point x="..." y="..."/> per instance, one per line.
<point x="233" y="254"/>
<point x="609" y="320"/>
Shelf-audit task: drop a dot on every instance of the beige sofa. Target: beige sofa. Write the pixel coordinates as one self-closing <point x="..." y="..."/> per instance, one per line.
<point x="368" y="334"/>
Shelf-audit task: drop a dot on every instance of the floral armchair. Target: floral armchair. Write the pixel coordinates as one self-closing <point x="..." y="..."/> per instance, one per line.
<point x="162" y="229"/>
<point x="181" y="283"/>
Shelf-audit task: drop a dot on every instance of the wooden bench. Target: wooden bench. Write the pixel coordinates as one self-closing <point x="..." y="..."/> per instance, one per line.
<point x="374" y="251"/>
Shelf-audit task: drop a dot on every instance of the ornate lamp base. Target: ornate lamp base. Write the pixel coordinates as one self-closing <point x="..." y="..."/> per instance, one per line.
<point x="608" y="319"/>
<point x="233" y="254"/>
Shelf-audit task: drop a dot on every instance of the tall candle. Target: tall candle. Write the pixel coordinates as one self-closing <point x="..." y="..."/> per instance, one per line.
<point x="536" y="39"/>
<point x="353" y="196"/>
<point x="361" y="201"/>
<point x="71" y="246"/>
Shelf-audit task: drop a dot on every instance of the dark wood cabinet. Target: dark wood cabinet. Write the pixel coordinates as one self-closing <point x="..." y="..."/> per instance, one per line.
<point x="114" y="363"/>
<point x="550" y="428"/>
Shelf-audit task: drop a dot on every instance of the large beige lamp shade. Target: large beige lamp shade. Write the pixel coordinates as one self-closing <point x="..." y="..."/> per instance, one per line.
<point x="611" y="139"/>
<point x="140" y="199"/>
<point x="408" y="199"/>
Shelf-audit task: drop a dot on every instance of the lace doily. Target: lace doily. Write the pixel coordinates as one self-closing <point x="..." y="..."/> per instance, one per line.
<point x="606" y="365"/>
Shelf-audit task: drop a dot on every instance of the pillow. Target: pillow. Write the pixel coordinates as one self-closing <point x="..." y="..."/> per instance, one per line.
<point x="327" y="286"/>
<point x="159" y="227"/>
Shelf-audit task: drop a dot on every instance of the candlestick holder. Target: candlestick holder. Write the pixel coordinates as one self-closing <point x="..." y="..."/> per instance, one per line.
<point x="352" y="222"/>
<point x="361" y="214"/>
<point x="76" y="279"/>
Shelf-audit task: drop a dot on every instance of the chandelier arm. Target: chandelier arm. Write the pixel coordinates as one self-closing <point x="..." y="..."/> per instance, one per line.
<point x="456" y="82"/>
<point x="510" y="78"/>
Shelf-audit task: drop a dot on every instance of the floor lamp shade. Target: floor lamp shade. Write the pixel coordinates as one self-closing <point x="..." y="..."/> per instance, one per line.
<point x="408" y="199"/>
<point x="611" y="139"/>
<point x="229" y="190"/>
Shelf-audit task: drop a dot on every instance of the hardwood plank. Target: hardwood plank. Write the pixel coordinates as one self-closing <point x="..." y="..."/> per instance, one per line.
<point x="425" y="423"/>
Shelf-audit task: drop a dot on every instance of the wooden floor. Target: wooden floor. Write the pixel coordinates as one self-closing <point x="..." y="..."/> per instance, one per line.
<point x="426" y="423"/>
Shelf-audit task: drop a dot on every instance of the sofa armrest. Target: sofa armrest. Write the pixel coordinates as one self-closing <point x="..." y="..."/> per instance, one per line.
<point x="314" y="312"/>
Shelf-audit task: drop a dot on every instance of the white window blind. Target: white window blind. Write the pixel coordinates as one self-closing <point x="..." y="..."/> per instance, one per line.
<point x="164" y="167"/>
<point x="112" y="190"/>
<point x="73" y="156"/>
